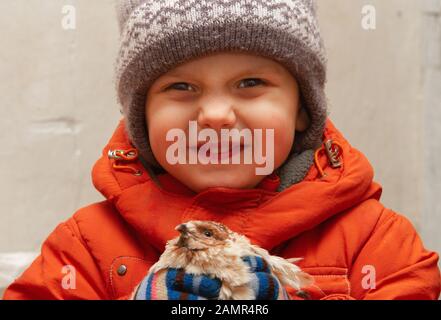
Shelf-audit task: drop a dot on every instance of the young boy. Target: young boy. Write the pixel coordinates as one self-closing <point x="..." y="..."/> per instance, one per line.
<point x="255" y="67"/>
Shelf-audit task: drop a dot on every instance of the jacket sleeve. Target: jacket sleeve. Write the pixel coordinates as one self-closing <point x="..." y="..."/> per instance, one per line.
<point x="393" y="264"/>
<point x="64" y="270"/>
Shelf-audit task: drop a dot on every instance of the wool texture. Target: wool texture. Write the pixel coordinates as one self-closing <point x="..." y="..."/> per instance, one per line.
<point x="156" y="36"/>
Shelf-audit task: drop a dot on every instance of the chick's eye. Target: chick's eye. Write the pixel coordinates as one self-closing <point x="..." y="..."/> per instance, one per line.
<point x="252" y="82"/>
<point x="208" y="233"/>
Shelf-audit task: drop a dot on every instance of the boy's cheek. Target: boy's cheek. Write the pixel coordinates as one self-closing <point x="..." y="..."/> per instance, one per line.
<point x="159" y="128"/>
<point x="282" y="139"/>
<point x="158" y="143"/>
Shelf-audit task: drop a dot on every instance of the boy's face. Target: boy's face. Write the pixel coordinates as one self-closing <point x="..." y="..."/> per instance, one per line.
<point x="224" y="91"/>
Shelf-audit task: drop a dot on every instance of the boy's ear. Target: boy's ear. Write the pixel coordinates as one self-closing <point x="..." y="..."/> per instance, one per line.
<point x="302" y="121"/>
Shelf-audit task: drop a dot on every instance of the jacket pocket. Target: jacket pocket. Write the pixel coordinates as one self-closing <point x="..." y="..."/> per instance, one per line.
<point x="126" y="273"/>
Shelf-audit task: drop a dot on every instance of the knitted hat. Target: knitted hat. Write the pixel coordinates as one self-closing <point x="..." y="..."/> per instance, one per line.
<point x="156" y="36"/>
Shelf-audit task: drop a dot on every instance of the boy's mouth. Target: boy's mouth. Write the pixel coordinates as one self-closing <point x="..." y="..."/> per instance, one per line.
<point x="242" y="147"/>
<point x="214" y="150"/>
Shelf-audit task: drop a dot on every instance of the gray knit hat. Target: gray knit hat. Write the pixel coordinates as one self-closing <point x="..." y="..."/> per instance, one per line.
<point x="159" y="35"/>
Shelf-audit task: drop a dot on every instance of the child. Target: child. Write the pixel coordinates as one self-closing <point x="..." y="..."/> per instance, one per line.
<point x="216" y="65"/>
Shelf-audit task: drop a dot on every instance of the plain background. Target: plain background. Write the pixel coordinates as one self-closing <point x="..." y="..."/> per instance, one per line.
<point x="58" y="106"/>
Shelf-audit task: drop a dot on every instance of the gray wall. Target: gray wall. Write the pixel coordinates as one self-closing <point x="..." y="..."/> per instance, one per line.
<point x="385" y="95"/>
<point x="59" y="107"/>
<point x="431" y="70"/>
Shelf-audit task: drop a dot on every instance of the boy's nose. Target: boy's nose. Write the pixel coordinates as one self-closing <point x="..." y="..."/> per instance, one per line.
<point x="217" y="116"/>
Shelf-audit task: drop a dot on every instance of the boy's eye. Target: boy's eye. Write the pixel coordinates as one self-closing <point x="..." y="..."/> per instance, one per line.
<point x="181" y="86"/>
<point x="252" y="82"/>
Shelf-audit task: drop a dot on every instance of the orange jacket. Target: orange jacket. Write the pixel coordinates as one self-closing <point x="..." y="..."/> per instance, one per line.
<point x="353" y="246"/>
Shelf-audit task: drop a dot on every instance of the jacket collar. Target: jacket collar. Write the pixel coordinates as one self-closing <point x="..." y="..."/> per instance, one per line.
<point x="265" y="216"/>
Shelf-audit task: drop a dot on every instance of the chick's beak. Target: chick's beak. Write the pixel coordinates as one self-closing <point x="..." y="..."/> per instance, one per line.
<point x="182" y="228"/>
<point x="182" y="241"/>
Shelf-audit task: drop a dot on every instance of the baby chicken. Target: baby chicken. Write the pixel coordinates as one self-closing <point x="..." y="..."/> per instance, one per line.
<point x="210" y="248"/>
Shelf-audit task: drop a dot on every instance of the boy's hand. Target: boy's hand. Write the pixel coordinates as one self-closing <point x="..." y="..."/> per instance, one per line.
<point x="264" y="284"/>
<point x="175" y="284"/>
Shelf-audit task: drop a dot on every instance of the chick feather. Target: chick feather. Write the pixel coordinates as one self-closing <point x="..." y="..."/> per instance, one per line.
<point x="210" y="248"/>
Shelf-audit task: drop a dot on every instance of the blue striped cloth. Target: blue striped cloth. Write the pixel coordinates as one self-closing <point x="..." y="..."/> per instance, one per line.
<point x="175" y="284"/>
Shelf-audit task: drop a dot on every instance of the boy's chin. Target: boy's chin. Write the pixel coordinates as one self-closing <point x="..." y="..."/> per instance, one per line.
<point x="200" y="181"/>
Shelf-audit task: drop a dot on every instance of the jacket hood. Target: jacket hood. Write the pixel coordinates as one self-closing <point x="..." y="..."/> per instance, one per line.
<point x="268" y="218"/>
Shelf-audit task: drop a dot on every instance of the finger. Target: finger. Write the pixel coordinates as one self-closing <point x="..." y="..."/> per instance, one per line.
<point x="141" y="291"/>
<point x="153" y="287"/>
<point x="179" y="295"/>
<point x="199" y="285"/>
<point x="265" y="286"/>
<point x="256" y="264"/>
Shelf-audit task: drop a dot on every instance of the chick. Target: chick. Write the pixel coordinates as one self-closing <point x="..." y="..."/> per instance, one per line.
<point x="210" y="248"/>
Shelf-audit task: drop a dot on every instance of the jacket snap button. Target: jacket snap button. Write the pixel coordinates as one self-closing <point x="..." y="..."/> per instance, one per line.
<point x="122" y="270"/>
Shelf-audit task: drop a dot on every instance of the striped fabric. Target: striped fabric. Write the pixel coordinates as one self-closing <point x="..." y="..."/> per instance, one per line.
<point x="264" y="284"/>
<point x="175" y="284"/>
